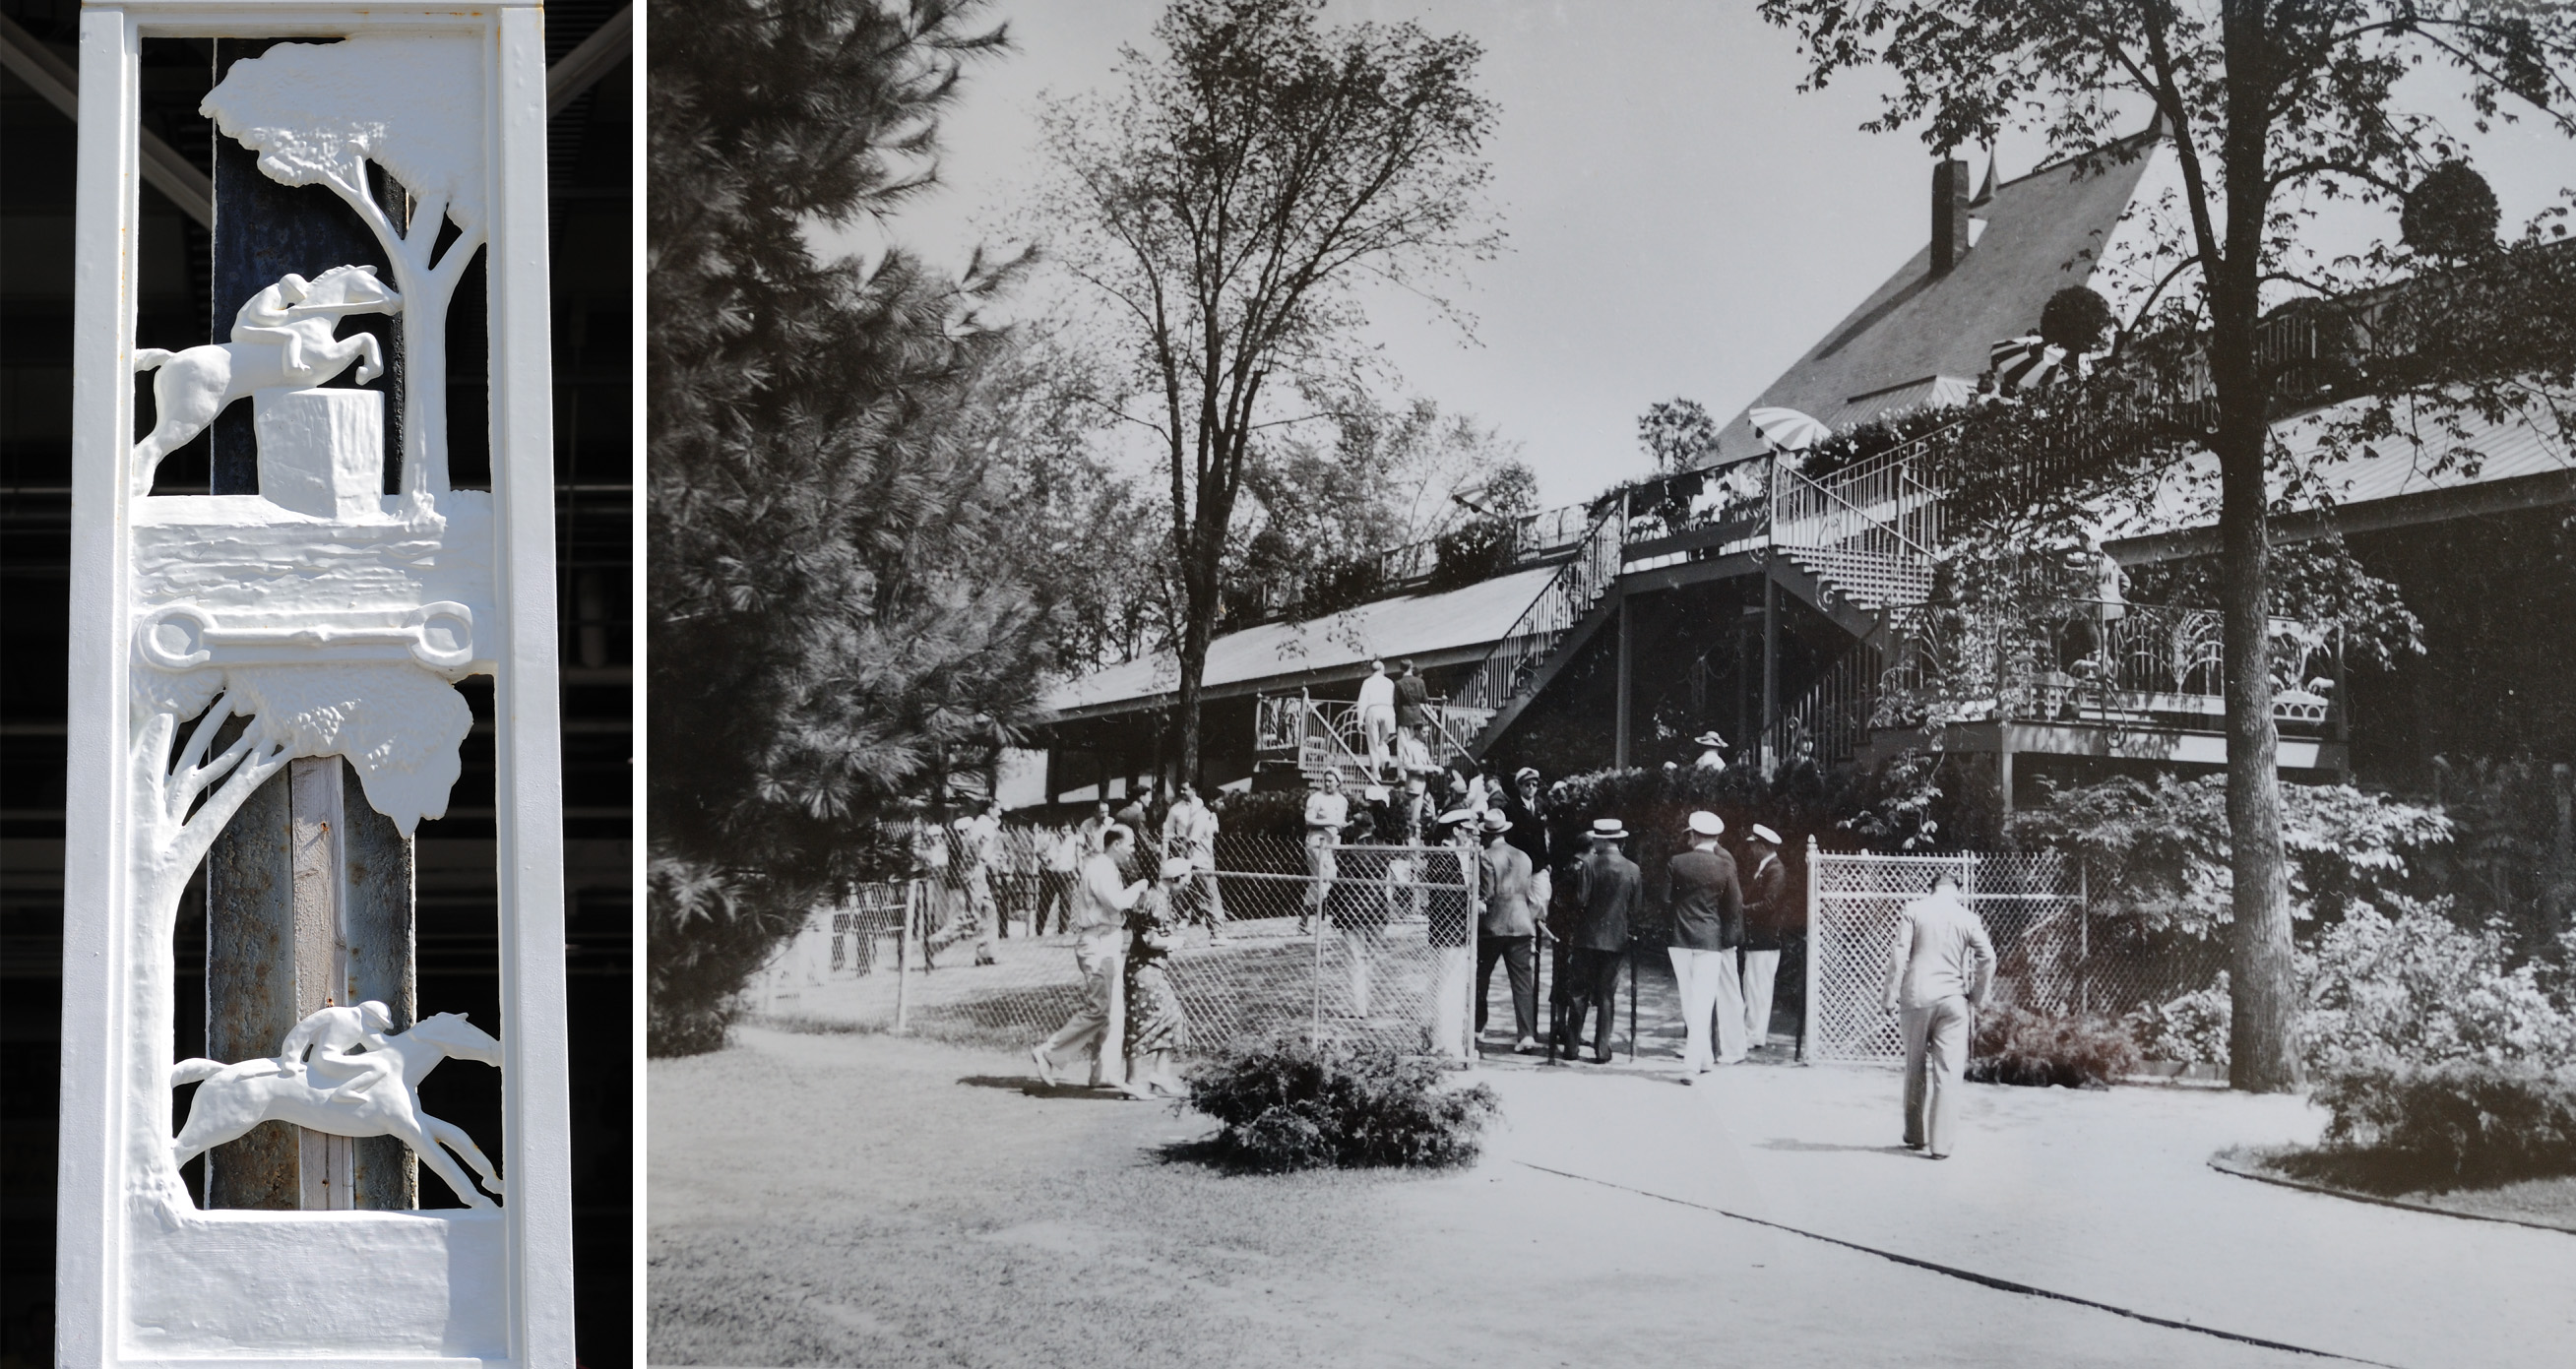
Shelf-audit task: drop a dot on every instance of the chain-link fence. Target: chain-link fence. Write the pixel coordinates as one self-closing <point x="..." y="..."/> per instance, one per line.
<point x="1343" y="942"/>
<point x="2051" y="954"/>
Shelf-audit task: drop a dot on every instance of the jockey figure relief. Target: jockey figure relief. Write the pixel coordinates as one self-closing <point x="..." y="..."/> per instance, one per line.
<point x="329" y="1033"/>
<point x="283" y="337"/>
<point x="343" y="1090"/>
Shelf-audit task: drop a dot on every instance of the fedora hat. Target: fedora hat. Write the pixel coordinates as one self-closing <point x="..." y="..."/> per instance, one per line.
<point x="1708" y="738"/>
<point x="1762" y="833"/>
<point x="1707" y="824"/>
<point x="1608" y="829"/>
<point x="1496" y="822"/>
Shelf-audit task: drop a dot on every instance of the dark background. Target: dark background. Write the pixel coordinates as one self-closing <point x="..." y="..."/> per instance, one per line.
<point x="590" y="208"/>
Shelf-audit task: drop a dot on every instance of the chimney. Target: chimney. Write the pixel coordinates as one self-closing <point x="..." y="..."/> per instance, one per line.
<point x="1949" y="213"/>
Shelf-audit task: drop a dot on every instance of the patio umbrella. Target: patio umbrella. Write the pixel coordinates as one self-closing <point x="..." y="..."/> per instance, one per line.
<point x="1787" y="430"/>
<point x="2027" y="363"/>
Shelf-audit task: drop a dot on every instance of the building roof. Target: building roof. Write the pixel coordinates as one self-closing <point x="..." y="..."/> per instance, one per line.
<point x="1416" y="625"/>
<point x="2524" y="459"/>
<point x="1921" y="338"/>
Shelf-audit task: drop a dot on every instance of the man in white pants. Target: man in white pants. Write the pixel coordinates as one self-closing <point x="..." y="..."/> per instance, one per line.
<point x="1937" y="978"/>
<point x="1771" y="917"/>
<point x="1377" y="716"/>
<point x="1099" y="938"/>
<point x="1708" y="925"/>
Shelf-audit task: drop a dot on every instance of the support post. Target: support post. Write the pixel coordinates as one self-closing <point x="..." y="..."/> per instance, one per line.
<point x="1770" y="669"/>
<point x="1807" y="966"/>
<point x="1619" y="738"/>
<point x="309" y="898"/>
<point x="903" y="939"/>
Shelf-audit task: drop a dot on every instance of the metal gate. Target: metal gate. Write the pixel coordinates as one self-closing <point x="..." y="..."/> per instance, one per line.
<point x="2032" y="903"/>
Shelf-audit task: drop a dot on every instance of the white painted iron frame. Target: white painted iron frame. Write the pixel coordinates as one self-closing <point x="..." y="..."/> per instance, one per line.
<point x="99" y="944"/>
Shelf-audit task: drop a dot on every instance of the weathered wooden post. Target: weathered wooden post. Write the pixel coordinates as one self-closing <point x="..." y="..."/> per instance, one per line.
<point x="308" y="896"/>
<point x="278" y="658"/>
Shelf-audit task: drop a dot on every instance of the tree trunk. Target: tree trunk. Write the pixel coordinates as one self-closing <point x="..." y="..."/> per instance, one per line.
<point x="2263" y="1052"/>
<point x="2262" y="1040"/>
<point x="1185" y="715"/>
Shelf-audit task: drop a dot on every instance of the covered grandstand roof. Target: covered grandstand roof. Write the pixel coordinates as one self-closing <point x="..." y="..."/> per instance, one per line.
<point x="1434" y="629"/>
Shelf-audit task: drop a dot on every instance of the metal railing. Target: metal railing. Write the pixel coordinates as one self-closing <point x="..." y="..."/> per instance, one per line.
<point x="2094" y="660"/>
<point x="1513" y="664"/>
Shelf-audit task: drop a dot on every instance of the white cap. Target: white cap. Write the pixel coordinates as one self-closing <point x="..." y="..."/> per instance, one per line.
<point x="1707" y="824"/>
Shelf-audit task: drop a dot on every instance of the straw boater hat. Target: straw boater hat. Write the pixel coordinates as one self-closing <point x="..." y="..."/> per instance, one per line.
<point x="1708" y="738"/>
<point x="1707" y="824"/>
<point x="1496" y="822"/>
<point x="1175" y="867"/>
<point x="1762" y="833"/>
<point x="1608" y="829"/>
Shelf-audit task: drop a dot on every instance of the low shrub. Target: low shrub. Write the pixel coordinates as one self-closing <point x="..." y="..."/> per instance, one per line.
<point x="2191" y="1029"/>
<point x="2015" y="1045"/>
<point x="2456" y="1124"/>
<point x="1292" y="1105"/>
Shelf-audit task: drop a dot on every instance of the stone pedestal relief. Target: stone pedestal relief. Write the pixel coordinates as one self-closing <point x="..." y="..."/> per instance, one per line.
<point x="314" y="633"/>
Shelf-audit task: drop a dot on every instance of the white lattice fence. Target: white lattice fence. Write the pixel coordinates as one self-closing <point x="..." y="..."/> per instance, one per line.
<point x="2031" y="902"/>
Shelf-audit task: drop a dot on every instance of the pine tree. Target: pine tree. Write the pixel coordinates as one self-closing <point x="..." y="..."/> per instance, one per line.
<point x="826" y="633"/>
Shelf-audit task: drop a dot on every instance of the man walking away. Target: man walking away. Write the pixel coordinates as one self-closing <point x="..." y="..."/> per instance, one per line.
<point x="1708" y="924"/>
<point x="1100" y="926"/>
<point x="1377" y="716"/>
<point x="1937" y="978"/>
<point x="1412" y="700"/>
<point x="1189" y="833"/>
<point x="1510" y="926"/>
<point x="1328" y="812"/>
<point x="1771" y="918"/>
<point x="1608" y="889"/>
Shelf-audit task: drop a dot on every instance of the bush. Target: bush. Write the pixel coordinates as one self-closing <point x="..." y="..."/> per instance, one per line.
<point x="2458" y="1124"/>
<point x="2015" y="1045"/>
<point x="706" y="933"/>
<point x="2419" y="987"/>
<point x="1292" y="1105"/>
<point x="2191" y="1029"/>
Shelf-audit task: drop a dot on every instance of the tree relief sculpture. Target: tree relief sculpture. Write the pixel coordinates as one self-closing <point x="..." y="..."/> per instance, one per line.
<point x="320" y="616"/>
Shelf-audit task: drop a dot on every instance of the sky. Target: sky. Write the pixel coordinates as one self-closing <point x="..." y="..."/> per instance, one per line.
<point x="1680" y="221"/>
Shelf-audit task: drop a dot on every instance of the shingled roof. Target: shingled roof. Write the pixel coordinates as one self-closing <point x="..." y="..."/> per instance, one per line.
<point x="1922" y="336"/>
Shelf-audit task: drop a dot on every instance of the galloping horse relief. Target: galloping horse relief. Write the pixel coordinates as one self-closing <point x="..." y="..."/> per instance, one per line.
<point x="282" y="339"/>
<point x="374" y="1092"/>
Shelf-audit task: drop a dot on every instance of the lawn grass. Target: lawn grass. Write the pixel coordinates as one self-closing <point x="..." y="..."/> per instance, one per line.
<point x="2365" y="1173"/>
<point x="1082" y="1231"/>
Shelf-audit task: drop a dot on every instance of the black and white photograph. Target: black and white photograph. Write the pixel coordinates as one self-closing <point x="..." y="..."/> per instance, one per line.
<point x="1970" y="601"/>
<point x="1430" y="683"/>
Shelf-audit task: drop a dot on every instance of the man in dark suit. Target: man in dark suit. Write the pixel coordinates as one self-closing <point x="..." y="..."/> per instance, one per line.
<point x="1707" y="927"/>
<point x="1607" y="892"/>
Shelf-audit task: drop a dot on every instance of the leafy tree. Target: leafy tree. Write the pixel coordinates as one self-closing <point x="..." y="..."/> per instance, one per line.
<point x="2268" y="106"/>
<point x="1227" y="205"/>
<point x="829" y="624"/>
<point x="1676" y="433"/>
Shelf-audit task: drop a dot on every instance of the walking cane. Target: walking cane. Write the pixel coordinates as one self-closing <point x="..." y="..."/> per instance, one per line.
<point x="1631" y="954"/>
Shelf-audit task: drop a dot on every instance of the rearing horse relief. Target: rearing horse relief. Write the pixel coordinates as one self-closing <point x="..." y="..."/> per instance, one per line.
<point x="283" y="337"/>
